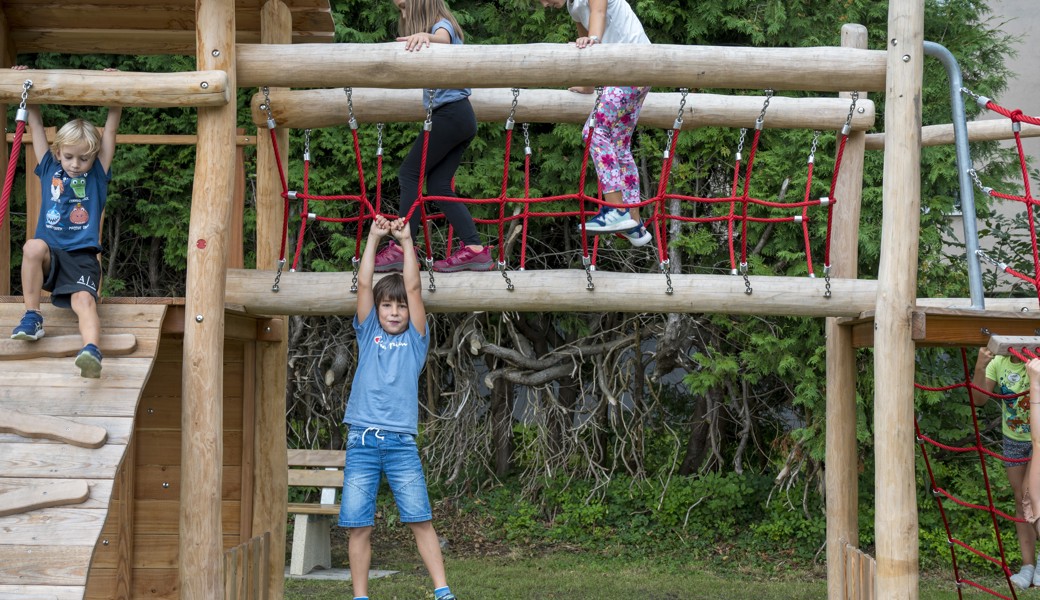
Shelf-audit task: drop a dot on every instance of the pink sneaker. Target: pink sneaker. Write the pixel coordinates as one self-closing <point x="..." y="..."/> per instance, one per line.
<point x="465" y="259"/>
<point x="390" y="259"/>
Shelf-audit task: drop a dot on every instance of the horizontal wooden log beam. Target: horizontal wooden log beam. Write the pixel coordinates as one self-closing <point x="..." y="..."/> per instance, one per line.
<point x="303" y="293"/>
<point x="822" y="69"/>
<point x="311" y="109"/>
<point x="119" y="88"/>
<point x="135" y="139"/>
<point x="978" y="131"/>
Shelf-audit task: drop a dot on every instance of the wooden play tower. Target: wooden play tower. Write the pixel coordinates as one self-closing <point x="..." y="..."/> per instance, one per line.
<point x="195" y="459"/>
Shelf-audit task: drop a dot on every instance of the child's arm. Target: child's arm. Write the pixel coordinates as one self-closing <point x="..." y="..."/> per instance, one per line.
<point x="597" y="24"/>
<point x="980" y="379"/>
<point x="365" y="301"/>
<point x="34" y="120"/>
<point x="108" y="137"/>
<point x="416" y="41"/>
<point x="412" y="283"/>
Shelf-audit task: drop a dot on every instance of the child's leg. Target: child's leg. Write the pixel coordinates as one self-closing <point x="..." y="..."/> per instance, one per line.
<point x="1025" y="532"/>
<point x="359" y="550"/>
<point x="430" y="550"/>
<point x="612" y="125"/>
<point x="457" y="126"/>
<point x="624" y="128"/>
<point x="36" y="262"/>
<point x="85" y="307"/>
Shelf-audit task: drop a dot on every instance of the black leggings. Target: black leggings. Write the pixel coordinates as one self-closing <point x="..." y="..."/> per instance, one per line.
<point x="454" y="127"/>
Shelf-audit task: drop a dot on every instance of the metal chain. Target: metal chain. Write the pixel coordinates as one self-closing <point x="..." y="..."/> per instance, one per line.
<point x="527" y="139"/>
<point x="667" y="276"/>
<point x="587" y="263"/>
<point x="815" y="143"/>
<point x="762" y="115"/>
<point x="354" y="262"/>
<point x="510" y="120"/>
<point x="266" y="107"/>
<point x="827" y="281"/>
<point x="379" y="139"/>
<point x="747" y="281"/>
<point x="306" y="144"/>
<point x="996" y="263"/>
<point x="505" y="275"/>
<point x="978" y="182"/>
<point x="28" y="83"/>
<point x="847" y="128"/>
<point x="429" y="268"/>
<point x="682" y="107"/>
<point x="428" y="125"/>
<point x="350" y="107"/>
<point x="278" y="276"/>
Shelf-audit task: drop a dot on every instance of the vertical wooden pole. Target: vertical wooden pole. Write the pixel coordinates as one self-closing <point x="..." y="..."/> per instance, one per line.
<point x="236" y="252"/>
<point x="895" y="521"/>
<point x="202" y="418"/>
<point x="271" y="483"/>
<point x="842" y="475"/>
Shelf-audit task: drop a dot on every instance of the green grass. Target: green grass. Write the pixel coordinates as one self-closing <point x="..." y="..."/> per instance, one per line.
<point x="576" y="576"/>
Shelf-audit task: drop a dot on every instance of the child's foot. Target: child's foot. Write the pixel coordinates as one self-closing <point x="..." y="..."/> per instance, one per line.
<point x="610" y="220"/>
<point x="89" y="362"/>
<point x="391" y="259"/>
<point x="638" y="235"/>
<point x="465" y="259"/>
<point x="31" y="327"/>
<point x="1024" y="578"/>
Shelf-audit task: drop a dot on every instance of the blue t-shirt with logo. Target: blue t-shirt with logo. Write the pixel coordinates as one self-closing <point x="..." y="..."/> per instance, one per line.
<point x="70" y="214"/>
<point x="385" y="391"/>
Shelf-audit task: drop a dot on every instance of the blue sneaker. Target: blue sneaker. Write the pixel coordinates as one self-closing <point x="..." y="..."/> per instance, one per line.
<point x="31" y="327"/>
<point x="638" y="235"/>
<point x="89" y="362"/>
<point x="610" y="220"/>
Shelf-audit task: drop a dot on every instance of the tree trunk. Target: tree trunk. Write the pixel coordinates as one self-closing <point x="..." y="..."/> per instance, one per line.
<point x="502" y="424"/>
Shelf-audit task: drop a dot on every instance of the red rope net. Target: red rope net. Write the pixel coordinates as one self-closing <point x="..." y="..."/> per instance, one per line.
<point x="943" y="495"/>
<point x="525" y="207"/>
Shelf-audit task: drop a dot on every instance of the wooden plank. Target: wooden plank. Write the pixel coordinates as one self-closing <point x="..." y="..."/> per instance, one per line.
<point x="100" y="490"/>
<point x="316" y="458"/>
<point x="315" y="478"/>
<point x="304" y="508"/>
<point x="70" y="526"/>
<point x="978" y="131"/>
<point x="935" y="326"/>
<point x="162" y="517"/>
<point x="305" y="293"/>
<point x="317" y="108"/>
<point x="553" y="65"/>
<point x="53" y="428"/>
<point x="133" y="41"/>
<point x="42" y="592"/>
<point x="62" y="373"/>
<point x="119" y="430"/>
<point x="44" y="565"/>
<point x="163" y="482"/>
<point x="73" y="491"/>
<point x="70" y="402"/>
<point x="60" y="461"/>
<point x="65" y="345"/>
<point x="1002" y="344"/>
<point x="165" y="446"/>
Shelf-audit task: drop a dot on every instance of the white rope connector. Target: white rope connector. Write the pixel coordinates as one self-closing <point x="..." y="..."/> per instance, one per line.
<point x="825" y="201"/>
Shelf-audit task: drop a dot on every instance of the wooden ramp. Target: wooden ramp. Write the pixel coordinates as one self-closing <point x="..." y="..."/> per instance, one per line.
<point x="62" y="439"/>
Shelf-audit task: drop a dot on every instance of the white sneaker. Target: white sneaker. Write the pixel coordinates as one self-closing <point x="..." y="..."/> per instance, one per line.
<point x="1024" y="578"/>
<point x="610" y="220"/>
<point x="1036" y="577"/>
<point x="638" y="235"/>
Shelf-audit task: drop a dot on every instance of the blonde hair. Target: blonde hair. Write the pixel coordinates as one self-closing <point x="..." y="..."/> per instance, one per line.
<point x="77" y="131"/>
<point x="420" y="16"/>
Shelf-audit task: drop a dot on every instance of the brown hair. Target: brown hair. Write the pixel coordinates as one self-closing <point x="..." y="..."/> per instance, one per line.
<point x="390" y="288"/>
<point x="77" y="131"/>
<point x="421" y="15"/>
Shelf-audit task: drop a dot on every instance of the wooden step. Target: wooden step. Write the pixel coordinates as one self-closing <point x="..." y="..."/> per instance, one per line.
<point x="52" y="428"/>
<point x="115" y="344"/>
<point x="73" y="491"/>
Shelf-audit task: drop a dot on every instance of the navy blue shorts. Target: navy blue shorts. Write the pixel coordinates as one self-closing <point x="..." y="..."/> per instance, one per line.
<point x="71" y="272"/>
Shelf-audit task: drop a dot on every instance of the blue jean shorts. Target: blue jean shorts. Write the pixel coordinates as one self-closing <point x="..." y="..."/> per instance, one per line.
<point x="371" y="453"/>
<point x="1016" y="449"/>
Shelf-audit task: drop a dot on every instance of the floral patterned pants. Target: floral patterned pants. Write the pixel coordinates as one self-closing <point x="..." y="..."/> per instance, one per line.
<point x="611" y="126"/>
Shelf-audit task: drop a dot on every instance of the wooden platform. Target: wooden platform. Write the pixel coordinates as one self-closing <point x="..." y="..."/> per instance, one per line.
<point x="47" y="553"/>
<point x="951" y="322"/>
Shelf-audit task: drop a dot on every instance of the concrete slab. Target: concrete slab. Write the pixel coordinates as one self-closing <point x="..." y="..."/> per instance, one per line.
<point x="335" y="574"/>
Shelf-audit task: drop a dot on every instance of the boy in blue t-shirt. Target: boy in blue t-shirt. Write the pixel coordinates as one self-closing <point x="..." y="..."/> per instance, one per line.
<point x="383" y="410"/>
<point x="62" y="256"/>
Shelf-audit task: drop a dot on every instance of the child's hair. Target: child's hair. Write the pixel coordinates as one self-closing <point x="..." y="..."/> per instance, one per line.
<point x="420" y="15"/>
<point x="77" y="131"/>
<point x="390" y="288"/>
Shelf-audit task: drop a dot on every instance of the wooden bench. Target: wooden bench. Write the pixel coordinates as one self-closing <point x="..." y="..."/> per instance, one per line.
<point x="312" y="544"/>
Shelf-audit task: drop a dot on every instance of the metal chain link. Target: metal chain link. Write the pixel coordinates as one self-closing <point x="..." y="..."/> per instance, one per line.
<point x="527" y="139"/>
<point x="847" y="128"/>
<point x="815" y="143"/>
<point x="278" y="276"/>
<point x="306" y="144"/>
<point x="587" y="263"/>
<point x="510" y="120"/>
<point x="978" y="182"/>
<point x="665" y="268"/>
<point x="266" y="107"/>
<point x="826" y="281"/>
<point x="379" y="139"/>
<point x="350" y="107"/>
<point x="505" y="275"/>
<point x="428" y="125"/>
<point x="354" y="263"/>
<point x="429" y="268"/>
<point x="747" y="281"/>
<point x="760" y="121"/>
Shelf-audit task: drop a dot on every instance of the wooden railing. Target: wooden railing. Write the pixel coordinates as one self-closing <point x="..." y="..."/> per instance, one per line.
<point x="245" y="570"/>
<point x="860" y="574"/>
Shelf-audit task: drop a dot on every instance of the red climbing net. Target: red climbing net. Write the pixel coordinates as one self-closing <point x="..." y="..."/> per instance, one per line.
<point x="740" y="202"/>
<point x="1017" y="117"/>
<point x="987" y="505"/>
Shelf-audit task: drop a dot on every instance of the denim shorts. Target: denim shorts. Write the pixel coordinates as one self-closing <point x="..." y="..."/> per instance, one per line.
<point x="371" y="453"/>
<point x="1017" y="449"/>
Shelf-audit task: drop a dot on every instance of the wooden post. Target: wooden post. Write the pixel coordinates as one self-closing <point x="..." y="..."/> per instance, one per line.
<point x="236" y="252"/>
<point x="841" y="474"/>
<point x="202" y="448"/>
<point x="271" y="481"/>
<point x="895" y="521"/>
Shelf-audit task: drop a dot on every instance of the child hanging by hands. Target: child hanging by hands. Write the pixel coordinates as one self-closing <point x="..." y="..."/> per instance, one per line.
<point x="62" y="256"/>
<point x="383" y="410"/>
<point x="613" y="121"/>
